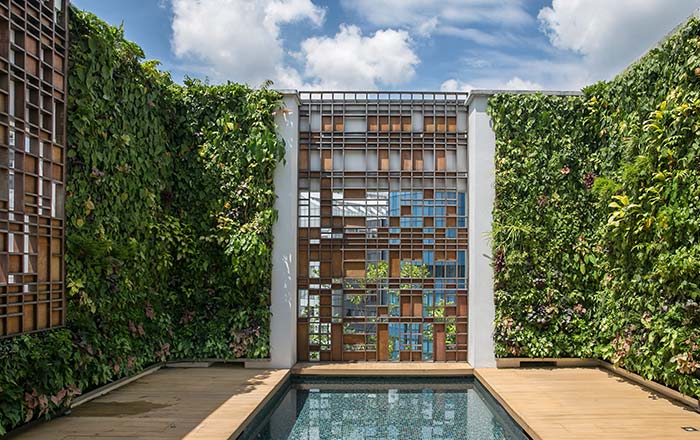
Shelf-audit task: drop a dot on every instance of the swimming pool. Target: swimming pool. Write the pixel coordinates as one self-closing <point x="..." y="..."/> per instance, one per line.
<point x="383" y="408"/>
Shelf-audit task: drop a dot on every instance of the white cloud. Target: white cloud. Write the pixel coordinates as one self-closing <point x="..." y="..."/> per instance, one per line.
<point x="414" y="12"/>
<point x="517" y="83"/>
<point x="459" y="18"/>
<point x="611" y="34"/>
<point x="352" y="60"/>
<point x="477" y="36"/>
<point x="453" y="85"/>
<point x="589" y="41"/>
<point x="237" y="39"/>
<point x="485" y="68"/>
<point x="582" y="41"/>
<point x="288" y="11"/>
<point x="427" y="27"/>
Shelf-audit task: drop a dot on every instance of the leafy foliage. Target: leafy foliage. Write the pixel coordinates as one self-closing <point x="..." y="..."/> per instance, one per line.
<point x="169" y="213"/>
<point x="223" y="198"/>
<point x="546" y="271"/>
<point x="616" y="240"/>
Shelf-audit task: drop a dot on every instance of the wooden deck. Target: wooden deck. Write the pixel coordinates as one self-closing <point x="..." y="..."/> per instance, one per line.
<point x="216" y="402"/>
<point x="586" y="403"/>
<point x="383" y="369"/>
<point x="197" y="403"/>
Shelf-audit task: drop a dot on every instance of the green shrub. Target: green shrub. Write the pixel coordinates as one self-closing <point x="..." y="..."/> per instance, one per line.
<point x="169" y="213"/>
<point x="619" y="234"/>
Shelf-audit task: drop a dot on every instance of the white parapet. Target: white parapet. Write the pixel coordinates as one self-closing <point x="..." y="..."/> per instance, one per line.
<point x="482" y="193"/>
<point x="283" y="329"/>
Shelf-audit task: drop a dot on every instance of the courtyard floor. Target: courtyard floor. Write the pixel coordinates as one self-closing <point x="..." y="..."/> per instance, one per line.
<point x="216" y="403"/>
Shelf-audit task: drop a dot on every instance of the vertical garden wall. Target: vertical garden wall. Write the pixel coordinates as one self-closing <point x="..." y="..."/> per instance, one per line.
<point x="597" y="219"/>
<point x="169" y="212"/>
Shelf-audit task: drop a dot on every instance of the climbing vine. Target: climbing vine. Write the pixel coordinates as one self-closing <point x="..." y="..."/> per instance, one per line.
<point x="223" y="197"/>
<point x="169" y="214"/>
<point x="596" y="230"/>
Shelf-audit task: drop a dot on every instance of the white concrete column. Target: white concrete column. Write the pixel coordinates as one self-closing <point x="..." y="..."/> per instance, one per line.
<point x="482" y="193"/>
<point x="283" y="328"/>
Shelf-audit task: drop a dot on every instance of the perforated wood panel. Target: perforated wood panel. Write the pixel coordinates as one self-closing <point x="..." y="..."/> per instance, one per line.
<point x="382" y="251"/>
<point x="33" y="45"/>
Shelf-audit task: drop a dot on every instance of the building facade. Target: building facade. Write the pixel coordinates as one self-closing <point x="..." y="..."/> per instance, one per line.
<point x="33" y="65"/>
<point x="377" y="256"/>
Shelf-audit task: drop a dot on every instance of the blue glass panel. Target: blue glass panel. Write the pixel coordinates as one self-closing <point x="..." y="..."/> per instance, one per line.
<point x="417" y="211"/>
<point x="439" y="296"/>
<point x="428" y="257"/>
<point x="427" y="302"/>
<point x="428" y="230"/>
<point x="394" y="338"/>
<point x="440" y="211"/>
<point x="428" y="241"/>
<point x="451" y="233"/>
<point x="427" y="341"/>
<point x="439" y="269"/>
<point x="440" y="222"/>
<point x="394" y="205"/>
<point x="461" y="203"/>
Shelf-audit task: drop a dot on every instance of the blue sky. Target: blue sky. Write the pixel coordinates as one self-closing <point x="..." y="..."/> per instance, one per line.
<point x="396" y="44"/>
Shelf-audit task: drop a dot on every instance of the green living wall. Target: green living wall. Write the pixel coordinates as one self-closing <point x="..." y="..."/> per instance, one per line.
<point x="168" y="226"/>
<point x="597" y="220"/>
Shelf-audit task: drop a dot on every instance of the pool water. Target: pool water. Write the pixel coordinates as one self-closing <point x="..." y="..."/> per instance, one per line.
<point x="383" y="408"/>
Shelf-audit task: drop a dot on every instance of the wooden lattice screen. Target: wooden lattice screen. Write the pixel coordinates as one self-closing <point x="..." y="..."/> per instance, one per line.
<point x="33" y="49"/>
<point x="382" y="227"/>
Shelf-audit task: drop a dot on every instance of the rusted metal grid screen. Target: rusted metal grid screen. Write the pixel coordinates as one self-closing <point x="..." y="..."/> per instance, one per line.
<point x="382" y="250"/>
<point x="33" y="44"/>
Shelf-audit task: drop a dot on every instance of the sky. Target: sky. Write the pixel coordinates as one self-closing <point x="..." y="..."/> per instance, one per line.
<point x="449" y="45"/>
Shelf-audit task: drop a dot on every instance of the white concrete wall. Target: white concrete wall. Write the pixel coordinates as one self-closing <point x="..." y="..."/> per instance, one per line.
<point x="283" y="329"/>
<point x="482" y="193"/>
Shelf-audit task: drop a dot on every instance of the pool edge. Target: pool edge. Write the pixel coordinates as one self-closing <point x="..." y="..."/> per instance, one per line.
<point x="395" y="369"/>
<point x="511" y="412"/>
<point x="270" y="395"/>
<point x="435" y="373"/>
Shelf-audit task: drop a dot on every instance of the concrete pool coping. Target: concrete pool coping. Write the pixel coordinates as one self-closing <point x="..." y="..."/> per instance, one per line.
<point x="383" y="369"/>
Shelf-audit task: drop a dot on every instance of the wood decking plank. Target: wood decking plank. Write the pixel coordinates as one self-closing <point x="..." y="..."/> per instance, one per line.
<point x="215" y="403"/>
<point x="586" y="403"/>
<point x="197" y="403"/>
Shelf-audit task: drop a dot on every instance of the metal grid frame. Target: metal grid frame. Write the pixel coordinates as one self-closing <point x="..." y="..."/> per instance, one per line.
<point x="382" y="187"/>
<point x="33" y="65"/>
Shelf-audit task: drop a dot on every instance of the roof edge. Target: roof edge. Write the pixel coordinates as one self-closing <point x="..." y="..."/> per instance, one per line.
<point x="289" y="92"/>
<point x="490" y="92"/>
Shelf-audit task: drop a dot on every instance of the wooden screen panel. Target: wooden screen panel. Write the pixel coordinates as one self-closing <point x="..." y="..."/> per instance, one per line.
<point x="33" y="51"/>
<point x="389" y="240"/>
